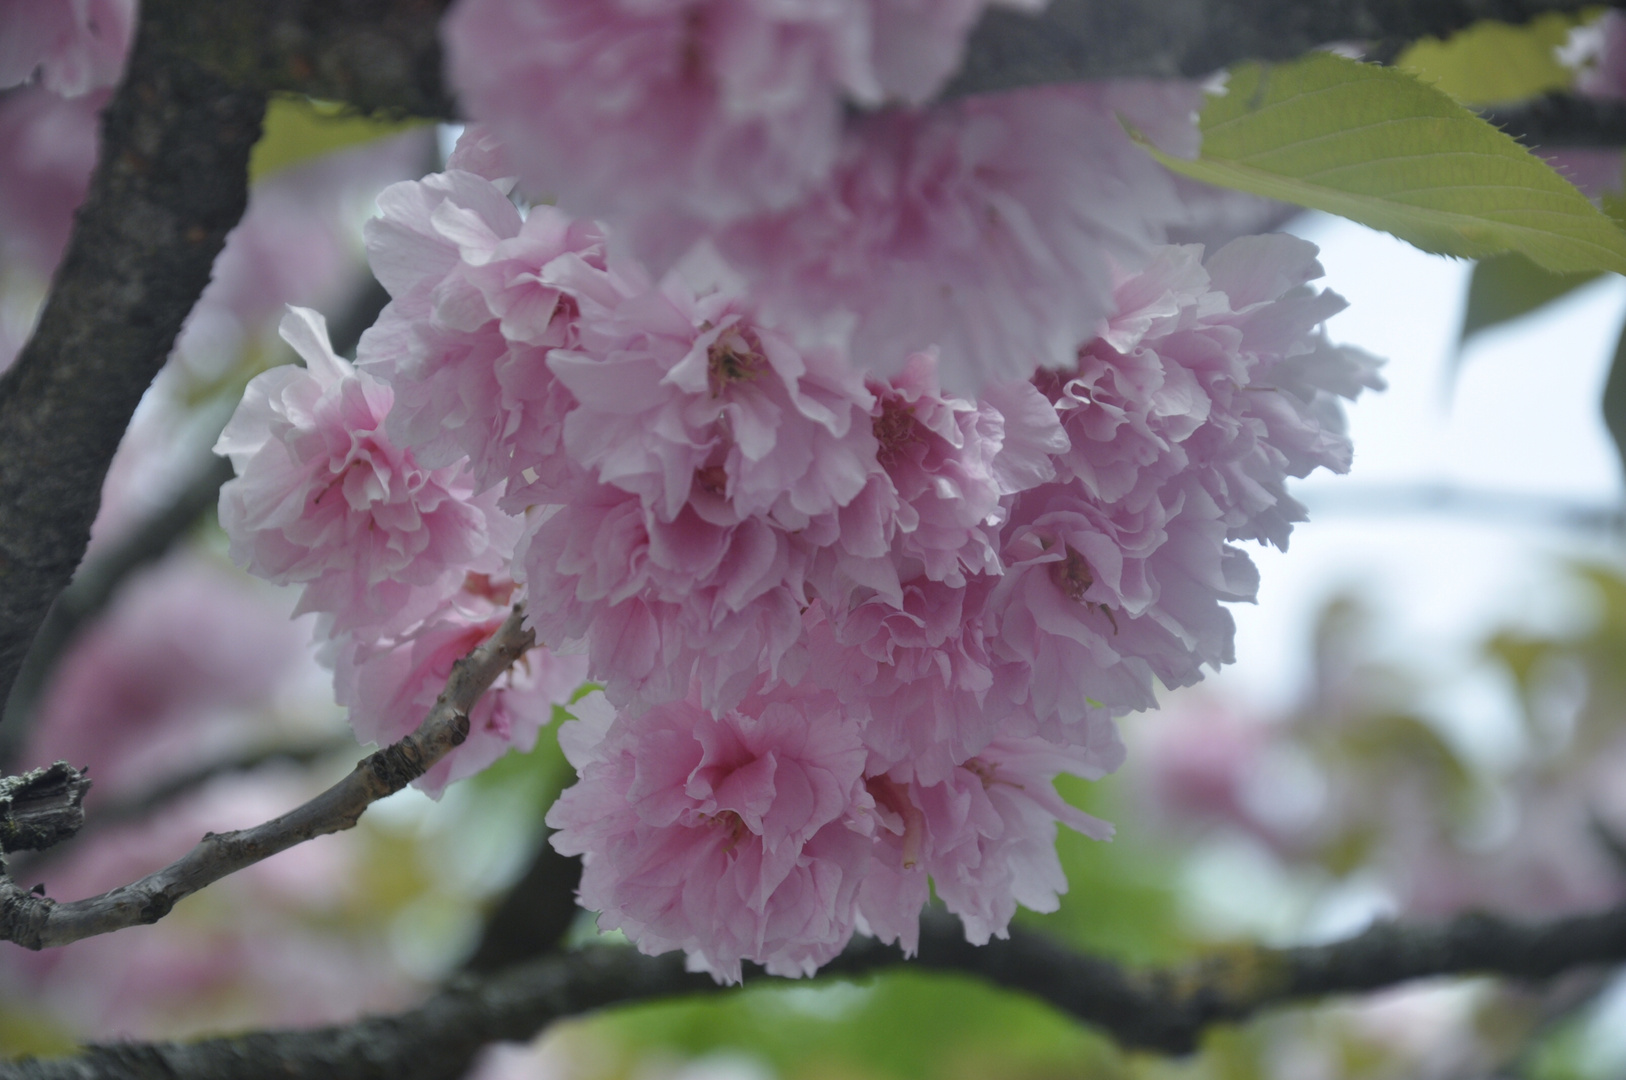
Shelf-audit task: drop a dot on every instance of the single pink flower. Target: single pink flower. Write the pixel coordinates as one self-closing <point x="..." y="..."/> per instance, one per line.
<point x="985" y="836"/>
<point x="324" y="498"/>
<point x="477" y="302"/>
<point x="682" y="399"/>
<point x="707" y="109"/>
<point x="734" y="837"/>
<point x="987" y="227"/>
<point x="660" y="603"/>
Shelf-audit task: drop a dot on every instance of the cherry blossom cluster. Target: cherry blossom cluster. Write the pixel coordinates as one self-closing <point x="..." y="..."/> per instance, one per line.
<point x="872" y="467"/>
<point x="406" y="564"/>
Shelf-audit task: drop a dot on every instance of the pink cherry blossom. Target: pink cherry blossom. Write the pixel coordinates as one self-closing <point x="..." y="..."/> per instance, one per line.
<point x="476" y="305"/>
<point x="74" y="45"/>
<point x="1207" y="389"/>
<point x="713" y="459"/>
<point x="325" y="499"/>
<point x="390" y="685"/>
<point x="734" y="837"/>
<point x="662" y="602"/>
<point x="708" y="109"/>
<point x="682" y="398"/>
<point x="1598" y="53"/>
<point x="920" y="675"/>
<point x="675" y="116"/>
<point x="949" y="463"/>
<point x="172" y="675"/>
<point x="985" y="836"/>
<point x="47" y="151"/>
<point x="988" y="227"/>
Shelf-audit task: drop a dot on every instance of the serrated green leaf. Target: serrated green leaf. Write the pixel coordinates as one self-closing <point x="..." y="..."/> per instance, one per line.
<point x="1377" y="146"/>
<point x="1506" y="287"/>
<point x="298" y="129"/>
<point x="1493" y="62"/>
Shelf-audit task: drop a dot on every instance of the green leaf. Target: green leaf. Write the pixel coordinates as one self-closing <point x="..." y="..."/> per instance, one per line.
<point x="1508" y="286"/>
<point x="1377" y="146"/>
<point x="1493" y="62"/>
<point x="298" y="129"/>
<point x="1614" y="398"/>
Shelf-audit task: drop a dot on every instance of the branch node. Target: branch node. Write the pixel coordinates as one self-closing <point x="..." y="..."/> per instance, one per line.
<point x="42" y="807"/>
<point x="397" y="765"/>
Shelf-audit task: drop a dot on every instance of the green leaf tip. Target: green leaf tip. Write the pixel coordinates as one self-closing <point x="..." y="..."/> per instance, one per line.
<point x="1381" y="148"/>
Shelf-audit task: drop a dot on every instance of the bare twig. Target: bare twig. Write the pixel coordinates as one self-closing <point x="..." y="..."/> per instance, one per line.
<point x="147" y="802"/>
<point x="39" y="922"/>
<point x="1164" y="1010"/>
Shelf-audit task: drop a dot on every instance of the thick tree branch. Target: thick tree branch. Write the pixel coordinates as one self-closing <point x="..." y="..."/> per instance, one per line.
<point x="1099" y="39"/>
<point x="171" y="183"/>
<point x="1564" y="120"/>
<point x="39" y="922"/>
<point x="1164" y="1010"/>
<point x="378" y="55"/>
<point x="535" y="915"/>
<point x="383" y="54"/>
<point x="100" y="576"/>
<point x="92" y="588"/>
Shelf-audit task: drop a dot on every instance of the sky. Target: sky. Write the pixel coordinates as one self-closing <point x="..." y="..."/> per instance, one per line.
<point x="1514" y="438"/>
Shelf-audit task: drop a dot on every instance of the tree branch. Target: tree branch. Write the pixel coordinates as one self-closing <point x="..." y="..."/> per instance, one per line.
<point x="384" y="54"/>
<point x="1162" y="1010"/>
<point x="378" y="55"/>
<point x="1102" y="39"/>
<point x="100" y="576"/>
<point x="41" y="808"/>
<point x="533" y="918"/>
<point x="171" y="182"/>
<point x="39" y="922"/>
<point x="1564" y="120"/>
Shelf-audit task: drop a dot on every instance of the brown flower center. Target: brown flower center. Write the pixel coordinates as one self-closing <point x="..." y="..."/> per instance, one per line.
<point x="736" y="356"/>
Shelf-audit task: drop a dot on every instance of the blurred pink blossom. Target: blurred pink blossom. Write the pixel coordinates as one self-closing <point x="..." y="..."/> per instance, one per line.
<point x="47" y="151"/>
<point x="75" y="46"/>
<point x="1597" y="52"/>
<point x="149" y="688"/>
<point x="989" y="227"/>
<point x="698" y="110"/>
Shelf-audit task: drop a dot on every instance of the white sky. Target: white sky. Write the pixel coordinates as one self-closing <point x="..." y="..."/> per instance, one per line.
<point x="1522" y="420"/>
